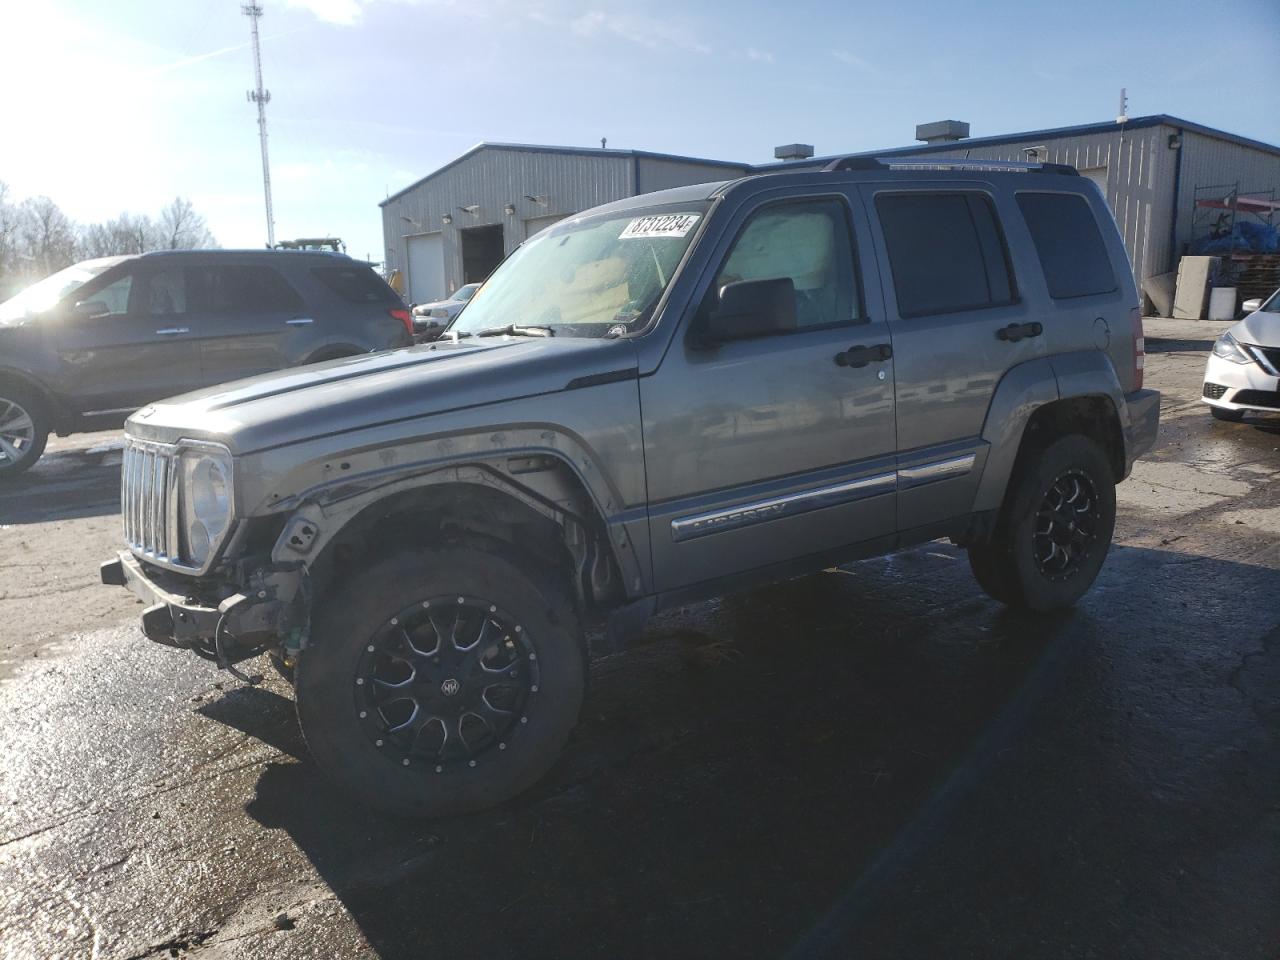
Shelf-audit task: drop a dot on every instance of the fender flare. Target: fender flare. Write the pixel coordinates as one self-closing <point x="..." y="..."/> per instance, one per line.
<point x="319" y="514"/>
<point x="1026" y="388"/>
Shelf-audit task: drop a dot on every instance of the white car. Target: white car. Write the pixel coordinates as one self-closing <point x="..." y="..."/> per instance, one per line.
<point x="439" y="313"/>
<point x="1244" y="368"/>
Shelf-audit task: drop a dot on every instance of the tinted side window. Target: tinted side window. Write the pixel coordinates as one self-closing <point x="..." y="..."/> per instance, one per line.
<point x="1069" y="244"/>
<point x="235" y="289"/>
<point x="946" y="252"/>
<point x="808" y="242"/>
<point x="114" y="296"/>
<point x="165" y="293"/>
<point x="355" y="284"/>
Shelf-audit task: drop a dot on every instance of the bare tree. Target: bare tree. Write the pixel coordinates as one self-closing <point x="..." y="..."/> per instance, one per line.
<point x="123" y="235"/>
<point x="9" y="261"/>
<point x="181" y="228"/>
<point x="48" y="237"/>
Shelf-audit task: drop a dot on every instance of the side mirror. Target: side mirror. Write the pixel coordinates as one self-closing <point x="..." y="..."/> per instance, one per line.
<point x="1252" y="306"/>
<point x="88" y="309"/>
<point x="753" y="308"/>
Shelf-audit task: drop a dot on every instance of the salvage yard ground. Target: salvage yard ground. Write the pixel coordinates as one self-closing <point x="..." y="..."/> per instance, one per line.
<point x="876" y="761"/>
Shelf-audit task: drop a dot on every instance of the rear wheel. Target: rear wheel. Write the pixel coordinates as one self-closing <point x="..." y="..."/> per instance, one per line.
<point x="1230" y="416"/>
<point x="24" y="429"/>
<point x="441" y="681"/>
<point x="1054" y="530"/>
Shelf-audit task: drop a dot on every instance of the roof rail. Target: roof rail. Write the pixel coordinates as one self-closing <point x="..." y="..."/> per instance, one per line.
<point x="942" y="163"/>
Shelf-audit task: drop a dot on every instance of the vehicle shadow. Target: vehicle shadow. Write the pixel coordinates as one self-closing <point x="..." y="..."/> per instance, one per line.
<point x="82" y="481"/>
<point x="755" y="773"/>
<point x="1160" y="345"/>
<point x="751" y="753"/>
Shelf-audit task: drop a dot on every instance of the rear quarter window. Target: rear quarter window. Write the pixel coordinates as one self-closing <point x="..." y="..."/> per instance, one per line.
<point x="946" y="252"/>
<point x="356" y="284"/>
<point x="1069" y="244"/>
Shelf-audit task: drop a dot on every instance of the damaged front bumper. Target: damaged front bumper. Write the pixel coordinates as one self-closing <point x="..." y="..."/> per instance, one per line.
<point x="226" y="622"/>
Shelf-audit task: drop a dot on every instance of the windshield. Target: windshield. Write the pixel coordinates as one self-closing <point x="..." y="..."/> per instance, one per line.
<point x="39" y="297"/>
<point x="586" y="278"/>
<point x="465" y="293"/>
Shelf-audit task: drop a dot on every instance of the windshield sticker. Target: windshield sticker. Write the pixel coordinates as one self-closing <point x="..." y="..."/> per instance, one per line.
<point x="667" y="225"/>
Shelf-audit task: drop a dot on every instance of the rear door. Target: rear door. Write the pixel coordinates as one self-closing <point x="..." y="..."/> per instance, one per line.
<point x="246" y="314"/>
<point x="772" y="449"/>
<point x="959" y="323"/>
<point x="139" y="349"/>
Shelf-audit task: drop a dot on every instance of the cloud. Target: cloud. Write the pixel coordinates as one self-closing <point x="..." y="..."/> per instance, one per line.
<point x="764" y="56"/>
<point x="645" y="31"/>
<point x="853" y="60"/>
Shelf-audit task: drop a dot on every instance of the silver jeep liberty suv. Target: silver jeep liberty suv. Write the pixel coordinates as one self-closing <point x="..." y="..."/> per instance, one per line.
<point x="654" y="401"/>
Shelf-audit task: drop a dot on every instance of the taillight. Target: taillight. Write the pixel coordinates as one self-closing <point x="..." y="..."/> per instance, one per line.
<point x="1139" y="348"/>
<point x="405" y="317"/>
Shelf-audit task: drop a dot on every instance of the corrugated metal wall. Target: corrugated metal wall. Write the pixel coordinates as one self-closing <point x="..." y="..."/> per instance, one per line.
<point x="657" y="173"/>
<point x="493" y="178"/>
<point x="1208" y="161"/>
<point x="1139" y="175"/>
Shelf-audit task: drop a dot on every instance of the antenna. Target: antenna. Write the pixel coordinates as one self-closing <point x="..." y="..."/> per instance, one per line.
<point x="261" y="97"/>
<point x="1123" y="116"/>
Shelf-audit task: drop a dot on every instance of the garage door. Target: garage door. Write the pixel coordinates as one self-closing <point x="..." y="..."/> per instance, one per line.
<point x="426" y="269"/>
<point x="534" y="224"/>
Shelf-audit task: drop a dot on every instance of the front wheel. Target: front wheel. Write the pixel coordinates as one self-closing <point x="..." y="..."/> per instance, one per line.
<point x="1054" y="529"/>
<point x="441" y="681"/>
<point x="24" y="429"/>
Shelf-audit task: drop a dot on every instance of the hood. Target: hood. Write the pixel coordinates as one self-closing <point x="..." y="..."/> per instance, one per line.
<point x="360" y="392"/>
<point x="1259" y="328"/>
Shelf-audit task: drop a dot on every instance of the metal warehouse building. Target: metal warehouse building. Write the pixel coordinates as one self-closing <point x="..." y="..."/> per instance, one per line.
<point x="455" y="225"/>
<point x="1167" y="180"/>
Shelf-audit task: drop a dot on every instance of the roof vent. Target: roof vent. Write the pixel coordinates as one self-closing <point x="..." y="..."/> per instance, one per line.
<point x="793" y="151"/>
<point x="942" y="131"/>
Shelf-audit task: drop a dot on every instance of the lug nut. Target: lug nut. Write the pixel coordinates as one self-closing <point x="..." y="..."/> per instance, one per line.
<point x="404" y="762"/>
<point x="363" y="714"/>
<point x="377" y="743"/>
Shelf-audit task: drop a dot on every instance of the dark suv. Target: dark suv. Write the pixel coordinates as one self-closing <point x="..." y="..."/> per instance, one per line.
<point x="107" y="336"/>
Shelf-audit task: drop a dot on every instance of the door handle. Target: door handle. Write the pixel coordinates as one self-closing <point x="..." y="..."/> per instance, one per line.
<point x="860" y="356"/>
<point x="1019" y="331"/>
<point x="172" y="331"/>
<point x="300" y="321"/>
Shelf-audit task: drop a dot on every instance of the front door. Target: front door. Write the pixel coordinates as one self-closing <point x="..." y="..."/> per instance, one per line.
<point x="959" y="323"/>
<point x="139" y="348"/>
<point x="767" y="450"/>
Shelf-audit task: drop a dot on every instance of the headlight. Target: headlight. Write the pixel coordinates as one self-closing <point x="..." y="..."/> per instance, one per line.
<point x="1227" y="348"/>
<point x="207" y="503"/>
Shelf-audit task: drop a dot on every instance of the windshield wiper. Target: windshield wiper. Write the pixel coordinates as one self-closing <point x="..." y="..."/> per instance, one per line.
<point x="515" y="330"/>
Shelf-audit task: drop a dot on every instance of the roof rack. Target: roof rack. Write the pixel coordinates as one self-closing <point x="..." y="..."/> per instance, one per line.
<point x="926" y="163"/>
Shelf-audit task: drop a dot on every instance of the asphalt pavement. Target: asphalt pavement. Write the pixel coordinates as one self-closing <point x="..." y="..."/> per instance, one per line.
<point x="876" y="761"/>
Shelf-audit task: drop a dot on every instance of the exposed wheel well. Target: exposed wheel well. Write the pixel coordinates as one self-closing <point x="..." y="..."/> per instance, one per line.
<point x="459" y="512"/>
<point x="1094" y="417"/>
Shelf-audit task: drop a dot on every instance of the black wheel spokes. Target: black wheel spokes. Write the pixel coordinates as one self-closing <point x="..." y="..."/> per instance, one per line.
<point x="445" y="682"/>
<point x="1065" y="526"/>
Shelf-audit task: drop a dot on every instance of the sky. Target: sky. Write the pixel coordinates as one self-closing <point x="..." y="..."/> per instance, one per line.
<point x="120" y="106"/>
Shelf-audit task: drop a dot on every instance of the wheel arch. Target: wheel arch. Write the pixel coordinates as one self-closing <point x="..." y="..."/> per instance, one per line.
<point x="546" y="515"/>
<point x="1068" y="393"/>
<point x="59" y="414"/>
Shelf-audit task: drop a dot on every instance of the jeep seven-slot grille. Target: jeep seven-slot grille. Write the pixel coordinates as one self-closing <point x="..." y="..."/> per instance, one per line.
<point x="149" y="499"/>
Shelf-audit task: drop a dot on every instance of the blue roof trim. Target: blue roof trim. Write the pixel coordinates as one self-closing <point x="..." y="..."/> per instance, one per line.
<point x="1134" y="123"/>
<point x="572" y="151"/>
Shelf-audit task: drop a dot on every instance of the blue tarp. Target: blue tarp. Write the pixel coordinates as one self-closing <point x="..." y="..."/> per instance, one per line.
<point x="1246" y="237"/>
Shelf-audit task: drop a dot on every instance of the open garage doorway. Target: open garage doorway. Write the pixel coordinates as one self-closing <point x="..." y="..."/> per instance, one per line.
<point x="482" y="250"/>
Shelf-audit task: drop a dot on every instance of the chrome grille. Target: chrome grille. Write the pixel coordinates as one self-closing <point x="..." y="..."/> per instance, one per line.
<point x="149" y="499"/>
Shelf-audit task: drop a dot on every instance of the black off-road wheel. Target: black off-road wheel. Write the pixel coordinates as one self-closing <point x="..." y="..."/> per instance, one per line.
<point x="24" y="428"/>
<point x="1230" y="416"/>
<point x="1054" y="529"/>
<point x="441" y="681"/>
